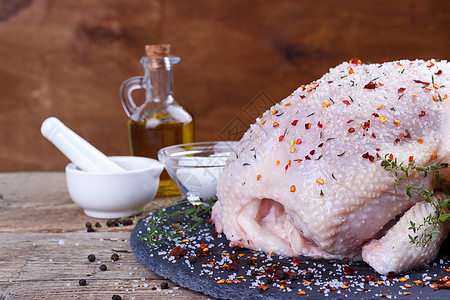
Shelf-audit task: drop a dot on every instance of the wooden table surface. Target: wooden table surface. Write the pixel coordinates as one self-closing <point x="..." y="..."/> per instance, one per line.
<point x="44" y="246"/>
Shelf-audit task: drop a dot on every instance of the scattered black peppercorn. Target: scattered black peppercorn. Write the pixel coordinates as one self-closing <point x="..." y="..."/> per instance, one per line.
<point x="233" y="257"/>
<point x="164" y="285"/>
<point x="292" y="276"/>
<point x="116" y="297"/>
<point x="127" y="222"/>
<point x="253" y="273"/>
<point x="249" y="262"/>
<point x="280" y="274"/>
<point x="345" y="260"/>
<point x="115" y="257"/>
<point x="118" y="222"/>
<point x="88" y="224"/>
<point x="198" y="250"/>
<point x="192" y="259"/>
<point x="90" y="229"/>
<point x="103" y="268"/>
<point x="309" y="275"/>
<point x="98" y="225"/>
<point x="82" y="282"/>
<point x="268" y="280"/>
<point x="91" y="257"/>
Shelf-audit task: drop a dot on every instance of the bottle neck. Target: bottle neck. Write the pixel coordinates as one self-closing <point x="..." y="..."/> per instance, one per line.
<point x="158" y="80"/>
<point x="161" y="85"/>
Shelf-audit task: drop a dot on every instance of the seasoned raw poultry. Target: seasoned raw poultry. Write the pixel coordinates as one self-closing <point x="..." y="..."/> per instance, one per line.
<point x="309" y="176"/>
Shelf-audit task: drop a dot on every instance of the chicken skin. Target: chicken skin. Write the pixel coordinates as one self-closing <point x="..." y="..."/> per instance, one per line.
<point x="307" y="177"/>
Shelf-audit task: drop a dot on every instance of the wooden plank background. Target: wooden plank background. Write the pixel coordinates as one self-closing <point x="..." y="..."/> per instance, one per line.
<point x="67" y="58"/>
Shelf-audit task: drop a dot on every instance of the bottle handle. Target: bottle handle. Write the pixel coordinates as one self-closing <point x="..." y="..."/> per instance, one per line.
<point x="126" y="89"/>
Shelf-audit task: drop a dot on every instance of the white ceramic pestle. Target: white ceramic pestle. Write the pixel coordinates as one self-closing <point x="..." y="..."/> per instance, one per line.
<point x="79" y="151"/>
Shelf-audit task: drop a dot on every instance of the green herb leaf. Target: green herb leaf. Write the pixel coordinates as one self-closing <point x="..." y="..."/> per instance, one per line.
<point x="434" y="168"/>
<point x="164" y="226"/>
<point x="426" y="231"/>
<point x="444" y="190"/>
<point x="444" y="217"/>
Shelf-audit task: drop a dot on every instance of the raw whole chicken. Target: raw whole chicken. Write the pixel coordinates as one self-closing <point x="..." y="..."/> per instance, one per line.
<point x="308" y="178"/>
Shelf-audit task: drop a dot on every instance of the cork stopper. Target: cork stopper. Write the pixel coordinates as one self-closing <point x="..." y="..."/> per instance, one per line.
<point x="157" y="51"/>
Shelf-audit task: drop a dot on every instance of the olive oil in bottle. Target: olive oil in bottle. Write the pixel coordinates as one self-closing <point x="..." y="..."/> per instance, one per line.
<point x="147" y="141"/>
<point x="160" y="121"/>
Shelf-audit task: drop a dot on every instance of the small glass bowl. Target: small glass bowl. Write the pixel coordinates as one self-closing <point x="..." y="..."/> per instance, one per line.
<point x="196" y="167"/>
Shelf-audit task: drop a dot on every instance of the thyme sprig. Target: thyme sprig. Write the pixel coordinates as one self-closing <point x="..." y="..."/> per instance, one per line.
<point x="428" y="230"/>
<point x="163" y="227"/>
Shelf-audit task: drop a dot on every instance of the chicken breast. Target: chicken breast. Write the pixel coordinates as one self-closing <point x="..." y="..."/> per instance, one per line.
<point x="306" y="178"/>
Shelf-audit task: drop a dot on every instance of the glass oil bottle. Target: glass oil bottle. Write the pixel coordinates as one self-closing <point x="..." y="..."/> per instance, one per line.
<point x="160" y="121"/>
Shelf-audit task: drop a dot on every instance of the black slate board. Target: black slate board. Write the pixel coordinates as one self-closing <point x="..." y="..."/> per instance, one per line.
<point x="202" y="276"/>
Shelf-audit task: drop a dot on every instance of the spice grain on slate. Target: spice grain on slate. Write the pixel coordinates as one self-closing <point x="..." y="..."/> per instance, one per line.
<point x="192" y="259"/>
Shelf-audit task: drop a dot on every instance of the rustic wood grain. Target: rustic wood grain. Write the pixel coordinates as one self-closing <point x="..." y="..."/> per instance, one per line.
<point x="67" y="58"/>
<point x="44" y="247"/>
<point x="39" y="202"/>
<point x="37" y="266"/>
